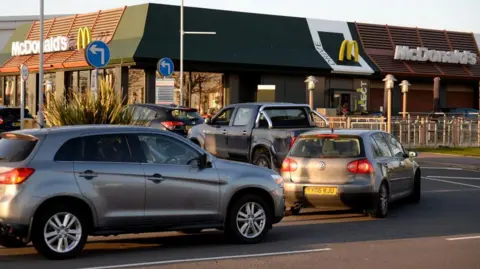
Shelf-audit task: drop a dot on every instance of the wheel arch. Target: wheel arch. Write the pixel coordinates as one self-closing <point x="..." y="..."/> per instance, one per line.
<point x="74" y="201"/>
<point x="264" y="194"/>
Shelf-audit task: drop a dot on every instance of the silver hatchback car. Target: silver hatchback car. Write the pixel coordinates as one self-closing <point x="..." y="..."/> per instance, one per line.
<point x="60" y="185"/>
<point x="358" y="169"/>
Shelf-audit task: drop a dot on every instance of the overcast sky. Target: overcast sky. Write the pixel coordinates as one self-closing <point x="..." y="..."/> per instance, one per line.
<point x="458" y="15"/>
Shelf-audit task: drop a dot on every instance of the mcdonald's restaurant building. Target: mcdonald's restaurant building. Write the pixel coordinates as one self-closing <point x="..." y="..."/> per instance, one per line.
<point x="255" y="53"/>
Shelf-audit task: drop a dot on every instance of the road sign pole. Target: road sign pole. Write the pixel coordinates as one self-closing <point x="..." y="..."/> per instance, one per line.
<point x="181" y="54"/>
<point x="22" y="104"/>
<point x="40" y="70"/>
<point x="94" y="83"/>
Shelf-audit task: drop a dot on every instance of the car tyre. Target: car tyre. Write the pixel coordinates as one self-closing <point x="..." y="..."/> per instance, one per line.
<point x="381" y="202"/>
<point x="12" y="242"/>
<point x="248" y="220"/>
<point x="262" y="159"/>
<point x="416" y="194"/>
<point x="60" y="227"/>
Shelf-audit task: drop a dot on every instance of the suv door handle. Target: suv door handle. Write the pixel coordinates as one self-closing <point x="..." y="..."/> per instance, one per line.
<point x="156" y="178"/>
<point x="88" y="174"/>
<point x="244" y="132"/>
<point x="224" y="131"/>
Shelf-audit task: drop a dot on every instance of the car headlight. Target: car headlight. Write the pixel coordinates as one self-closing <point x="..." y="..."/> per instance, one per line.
<point x="278" y="179"/>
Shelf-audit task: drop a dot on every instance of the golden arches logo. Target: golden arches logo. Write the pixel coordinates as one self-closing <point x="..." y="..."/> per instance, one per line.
<point x="350" y="47"/>
<point x="84" y="37"/>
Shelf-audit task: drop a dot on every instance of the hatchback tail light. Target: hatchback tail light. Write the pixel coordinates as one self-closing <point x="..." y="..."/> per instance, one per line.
<point x="360" y="167"/>
<point x="172" y="124"/>
<point x="1" y="120"/>
<point x="15" y="176"/>
<point x="289" y="165"/>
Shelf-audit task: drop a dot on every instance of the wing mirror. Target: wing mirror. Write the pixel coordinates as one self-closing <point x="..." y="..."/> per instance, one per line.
<point x="207" y="121"/>
<point x="204" y="161"/>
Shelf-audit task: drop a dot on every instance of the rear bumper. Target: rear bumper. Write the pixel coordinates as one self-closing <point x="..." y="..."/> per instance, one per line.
<point x="19" y="230"/>
<point x="348" y="196"/>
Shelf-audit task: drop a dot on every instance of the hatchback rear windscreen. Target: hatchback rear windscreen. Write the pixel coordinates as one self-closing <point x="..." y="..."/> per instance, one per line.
<point x="327" y="147"/>
<point x="181" y="114"/>
<point x="16" y="148"/>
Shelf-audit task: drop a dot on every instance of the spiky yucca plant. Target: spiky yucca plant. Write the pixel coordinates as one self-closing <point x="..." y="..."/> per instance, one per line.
<point x="86" y="108"/>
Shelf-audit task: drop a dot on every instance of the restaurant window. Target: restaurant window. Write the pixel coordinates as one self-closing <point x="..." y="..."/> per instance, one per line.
<point x="84" y="78"/>
<point x="136" y="86"/>
<point x="2" y="90"/>
<point x="10" y="85"/>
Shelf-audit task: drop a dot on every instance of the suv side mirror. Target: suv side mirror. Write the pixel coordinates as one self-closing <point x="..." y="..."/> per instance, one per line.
<point x="208" y="121"/>
<point x="204" y="162"/>
<point x="412" y="154"/>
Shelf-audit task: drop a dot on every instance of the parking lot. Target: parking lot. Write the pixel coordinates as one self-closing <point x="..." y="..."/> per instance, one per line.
<point x="443" y="231"/>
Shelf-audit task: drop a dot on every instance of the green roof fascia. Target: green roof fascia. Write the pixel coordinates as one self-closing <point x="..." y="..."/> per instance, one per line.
<point x="20" y="34"/>
<point x="128" y="34"/>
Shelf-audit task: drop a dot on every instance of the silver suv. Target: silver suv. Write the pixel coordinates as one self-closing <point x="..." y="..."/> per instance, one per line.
<point x="60" y="185"/>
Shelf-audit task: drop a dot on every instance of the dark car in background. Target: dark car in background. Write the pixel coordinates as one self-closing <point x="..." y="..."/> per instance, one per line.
<point x="457" y="112"/>
<point x="10" y="118"/>
<point x="177" y="119"/>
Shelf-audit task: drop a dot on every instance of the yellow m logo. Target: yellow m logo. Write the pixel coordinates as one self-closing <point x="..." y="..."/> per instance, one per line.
<point x="84" y="37"/>
<point x="350" y="47"/>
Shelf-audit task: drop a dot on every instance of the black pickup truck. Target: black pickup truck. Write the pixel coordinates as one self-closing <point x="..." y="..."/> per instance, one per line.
<point x="258" y="133"/>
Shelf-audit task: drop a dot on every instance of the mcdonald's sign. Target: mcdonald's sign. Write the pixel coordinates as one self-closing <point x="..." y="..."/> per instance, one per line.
<point x="350" y="47"/>
<point x="84" y="37"/>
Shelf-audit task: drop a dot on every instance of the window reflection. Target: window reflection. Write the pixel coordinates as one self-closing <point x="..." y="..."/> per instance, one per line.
<point x="10" y="85"/>
<point x="83" y="81"/>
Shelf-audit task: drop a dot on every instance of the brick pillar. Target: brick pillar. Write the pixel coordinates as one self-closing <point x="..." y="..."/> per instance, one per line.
<point x="436" y="93"/>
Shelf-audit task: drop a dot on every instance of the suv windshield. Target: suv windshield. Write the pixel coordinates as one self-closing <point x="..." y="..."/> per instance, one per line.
<point x="16" y="148"/>
<point x="327" y="147"/>
<point x="185" y="114"/>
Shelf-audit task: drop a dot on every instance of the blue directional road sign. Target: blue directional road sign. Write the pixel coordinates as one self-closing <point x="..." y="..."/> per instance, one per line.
<point x="97" y="54"/>
<point x="165" y="67"/>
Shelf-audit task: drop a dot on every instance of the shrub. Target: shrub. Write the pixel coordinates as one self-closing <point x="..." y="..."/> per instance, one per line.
<point x="105" y="107"/>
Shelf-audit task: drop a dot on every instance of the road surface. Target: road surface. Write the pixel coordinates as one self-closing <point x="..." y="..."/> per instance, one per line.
<point x="443" y="231"/>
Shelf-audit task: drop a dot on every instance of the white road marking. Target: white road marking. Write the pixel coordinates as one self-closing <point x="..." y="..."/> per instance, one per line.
<point x="452" y="182"/>
<point x="440" y="191"/>
<point x="442" y="168"/>
<point x="463" y="238"/>
<point x="467" y="178"/>
<point x="210" y="258"/>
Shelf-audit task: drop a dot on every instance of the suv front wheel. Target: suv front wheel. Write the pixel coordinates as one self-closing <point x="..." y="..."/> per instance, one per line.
<point x="60" y="232"/>
<point x="249" y="219"/>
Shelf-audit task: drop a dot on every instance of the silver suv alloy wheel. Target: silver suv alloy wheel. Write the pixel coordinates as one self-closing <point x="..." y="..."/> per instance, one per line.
<point x="62" y="232"/>
<point x="251" y="220"/>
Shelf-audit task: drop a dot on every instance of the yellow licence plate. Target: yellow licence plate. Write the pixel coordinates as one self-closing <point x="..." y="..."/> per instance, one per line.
<point x="321" y="190"/>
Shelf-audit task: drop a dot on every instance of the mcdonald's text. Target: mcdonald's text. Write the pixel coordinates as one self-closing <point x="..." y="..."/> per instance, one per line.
<point x="52" y="44"/>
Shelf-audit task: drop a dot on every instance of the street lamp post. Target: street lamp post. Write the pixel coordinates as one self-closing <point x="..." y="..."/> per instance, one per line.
<point x="40" y="70"/>
<point x="311" y="82"/>
<point x="389" y="84"/>
<point x="182" y="33"/>
<point x="405" y="84"/>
